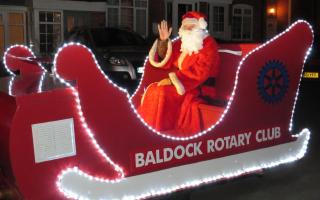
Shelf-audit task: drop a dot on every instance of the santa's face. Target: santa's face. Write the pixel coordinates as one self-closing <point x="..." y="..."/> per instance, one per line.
<point x="188" y="27"/>
<point x="192" y="38"/>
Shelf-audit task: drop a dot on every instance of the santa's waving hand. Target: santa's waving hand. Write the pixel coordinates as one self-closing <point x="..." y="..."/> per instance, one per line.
<point x="164" y="34"/>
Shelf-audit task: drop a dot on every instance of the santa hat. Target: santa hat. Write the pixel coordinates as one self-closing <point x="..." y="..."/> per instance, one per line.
<point x="194" y="17"/>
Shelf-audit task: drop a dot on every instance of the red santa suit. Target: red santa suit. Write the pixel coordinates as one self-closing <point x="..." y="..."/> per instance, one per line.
<point x="174" y="107"/>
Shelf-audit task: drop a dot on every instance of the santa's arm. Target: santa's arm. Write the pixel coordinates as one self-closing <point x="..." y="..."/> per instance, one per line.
<point x="206" y="64"/>
<point x="162" y="48"/>
<point x="160" y="53"/>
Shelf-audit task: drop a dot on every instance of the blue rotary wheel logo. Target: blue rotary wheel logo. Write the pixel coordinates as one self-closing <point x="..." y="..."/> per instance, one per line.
<point x="273" y="82"/>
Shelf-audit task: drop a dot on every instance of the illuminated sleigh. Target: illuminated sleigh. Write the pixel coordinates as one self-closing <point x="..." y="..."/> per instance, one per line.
<point x="79" y="135"/>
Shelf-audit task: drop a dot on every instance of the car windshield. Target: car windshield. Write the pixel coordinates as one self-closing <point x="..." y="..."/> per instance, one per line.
<point x="113" y="37"/>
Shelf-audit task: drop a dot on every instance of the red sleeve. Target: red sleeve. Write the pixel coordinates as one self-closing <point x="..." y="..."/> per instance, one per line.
<point x="206" y="65"/>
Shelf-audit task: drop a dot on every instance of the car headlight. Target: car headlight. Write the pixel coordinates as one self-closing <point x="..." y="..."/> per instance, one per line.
<point x="140" y="70"/>
<point x="117" y="61"/>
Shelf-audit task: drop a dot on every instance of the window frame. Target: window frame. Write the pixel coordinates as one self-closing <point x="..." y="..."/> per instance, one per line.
<point x="5" y="11"/>
<point x="224" y="35"/>
<point x="37" y="28"/>
<point x="242" y="7"/>
<point x="134" y="8"/>
<point x="224" y="18"/>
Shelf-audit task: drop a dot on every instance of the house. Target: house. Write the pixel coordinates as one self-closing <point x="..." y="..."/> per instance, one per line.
<point x="12" y="23"/>
<point x="43" y="24"/>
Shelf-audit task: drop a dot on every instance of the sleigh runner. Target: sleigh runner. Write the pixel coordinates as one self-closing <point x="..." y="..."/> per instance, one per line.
<point x="103" y="149"/>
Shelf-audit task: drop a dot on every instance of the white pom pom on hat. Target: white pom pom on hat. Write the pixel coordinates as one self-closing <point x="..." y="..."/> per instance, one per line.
<point x="194" y="17"/>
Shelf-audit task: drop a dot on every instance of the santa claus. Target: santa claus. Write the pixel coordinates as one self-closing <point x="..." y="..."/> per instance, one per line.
<point x="172" y="104"/>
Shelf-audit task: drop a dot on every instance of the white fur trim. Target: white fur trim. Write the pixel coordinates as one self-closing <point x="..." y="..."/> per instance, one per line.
<point x="236" y="53"/>
<point x="153" y="52"/>
<point x="177" y="83"/>
<point x="190" y="21"/>
<point x="201" y="23"/>
<point x="144" y="93"/>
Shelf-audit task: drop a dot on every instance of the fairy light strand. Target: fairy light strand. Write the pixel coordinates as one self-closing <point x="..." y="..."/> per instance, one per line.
<point x="6" y="54"/>
<point x="120" y="170"/>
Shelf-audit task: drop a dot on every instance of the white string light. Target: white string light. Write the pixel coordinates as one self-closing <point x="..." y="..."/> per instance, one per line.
<point x="299" y="83"/>
<point x="120" y="170"/>
<point x="233" y="91"/>
<point x="41" y="82"/>
<point x="277" y="159"/>
<point x="10" y="85"/>
<point x="6" y="54"/>
<point x="82" y="117"/>
<point x="12" y="79"/>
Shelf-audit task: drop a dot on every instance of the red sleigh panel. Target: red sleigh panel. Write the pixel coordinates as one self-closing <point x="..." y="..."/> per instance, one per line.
<point x="21" y="58"/>
<point x="119" y="156"/>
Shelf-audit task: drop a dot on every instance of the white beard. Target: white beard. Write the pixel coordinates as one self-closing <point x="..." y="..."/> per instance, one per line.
<point x="192" y="40"/>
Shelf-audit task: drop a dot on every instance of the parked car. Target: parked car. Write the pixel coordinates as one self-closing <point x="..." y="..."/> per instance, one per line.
<point x="119" y="52"/>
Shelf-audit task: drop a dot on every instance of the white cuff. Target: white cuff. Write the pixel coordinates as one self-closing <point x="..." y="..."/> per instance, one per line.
<point x="177" y="83"/>
<point x="236" y="53"/>
<point x="153" y="52"/>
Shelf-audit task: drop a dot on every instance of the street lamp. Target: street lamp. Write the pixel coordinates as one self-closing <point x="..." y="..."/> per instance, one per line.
<point x="272" y="11"/>
<point x="271" y="21"/>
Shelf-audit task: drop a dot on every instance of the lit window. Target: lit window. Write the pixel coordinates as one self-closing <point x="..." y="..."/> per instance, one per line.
<point x="242" y="22"/>
<point x="218" y="19"/>
<point x="16" y="28"/>
<point x="128" y="14"/>
<point x="50" y="31"/>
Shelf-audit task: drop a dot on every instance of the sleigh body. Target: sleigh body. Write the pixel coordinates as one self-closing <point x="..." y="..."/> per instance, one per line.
<point x="76" y="134"/>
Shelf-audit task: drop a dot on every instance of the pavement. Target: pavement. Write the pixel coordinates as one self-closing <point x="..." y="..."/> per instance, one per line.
<point x="299" y="180"/>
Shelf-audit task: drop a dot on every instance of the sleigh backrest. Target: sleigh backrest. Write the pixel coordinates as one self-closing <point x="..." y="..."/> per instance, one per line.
<point x="219" y="86"/>
<point x="268" y="80"/>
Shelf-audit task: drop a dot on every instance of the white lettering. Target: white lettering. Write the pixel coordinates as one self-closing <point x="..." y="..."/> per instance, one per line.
<point x="158" y="156"/>
<point x="233" y="141"/>
<point x="188" y="153"/>
<point x="158" y="159"/>
<point x="240" y="140"/>
<point x="176" y="150"/>
<point x="220" y="146"/>
<point x="149" y="159"/>
<point x="268" y="134"/>
<point x="277" y="132"/>
<point x="210" y="146"/>
<point x="197" y="150"/>
<point x="258" y="136"/>
<point x="247" y="136"/>
<point x="167" y="154"/>
<point x="227" y="139"/>
<point x="139" y="160"/>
